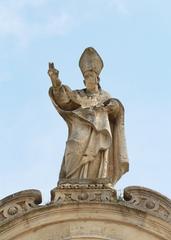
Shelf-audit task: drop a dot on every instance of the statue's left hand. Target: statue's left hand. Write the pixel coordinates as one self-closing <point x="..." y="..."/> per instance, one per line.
<point x="99" y="106"/>
<point x="111" y="105"/>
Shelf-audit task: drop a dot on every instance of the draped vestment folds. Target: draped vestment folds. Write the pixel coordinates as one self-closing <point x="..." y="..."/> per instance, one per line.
<point x="96" y="143"/>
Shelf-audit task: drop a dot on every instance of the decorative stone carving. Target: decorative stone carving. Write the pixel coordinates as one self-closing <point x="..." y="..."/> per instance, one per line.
<point x="82" y="195"/>
<point x="90" y="212"/>
<point x="88" y="221"/>
<point x="18" y="204"/>
<point x="138" y="198"/>
<point x="96" y="147"/>
<point x="149" y="201"/>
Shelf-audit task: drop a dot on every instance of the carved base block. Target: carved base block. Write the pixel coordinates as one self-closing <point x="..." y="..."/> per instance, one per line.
<point x="85" y="182"/>
<point x="64" y="194"/>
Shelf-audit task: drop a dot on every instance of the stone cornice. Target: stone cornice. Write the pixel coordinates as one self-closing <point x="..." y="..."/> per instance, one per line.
<point x="21" y="213"/>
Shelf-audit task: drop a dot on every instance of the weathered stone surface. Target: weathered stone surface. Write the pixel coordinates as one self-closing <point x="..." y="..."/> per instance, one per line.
<point x="83" y="194"/>
<point x="149" y="201"/>
<point x="88" y="213"/>
<point x="95" y="148"/>
<point x="18" y="204"/>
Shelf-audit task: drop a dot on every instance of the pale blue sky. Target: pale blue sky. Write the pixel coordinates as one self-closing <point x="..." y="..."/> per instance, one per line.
<point x="133" y="38"/>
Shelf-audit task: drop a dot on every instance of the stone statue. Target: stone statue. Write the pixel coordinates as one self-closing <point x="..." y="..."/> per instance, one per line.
<point x="95" y="149"/>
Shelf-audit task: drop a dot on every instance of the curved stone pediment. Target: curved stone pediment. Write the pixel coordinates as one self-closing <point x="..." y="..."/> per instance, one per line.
<point x="18" y="204"/>
<point x="84" y="213"/>
<point x="149" y="201"/>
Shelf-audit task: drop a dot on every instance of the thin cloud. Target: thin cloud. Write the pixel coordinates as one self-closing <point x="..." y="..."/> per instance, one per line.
<point x="26" y="20"/>
<point x="32" y="3"/>
<point x="15" y="21"/>
<point x="119" y="5"/>
<point x="4" y="77"/>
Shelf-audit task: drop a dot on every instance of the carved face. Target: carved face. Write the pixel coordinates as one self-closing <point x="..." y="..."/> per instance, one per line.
<point x="91" y="80"/>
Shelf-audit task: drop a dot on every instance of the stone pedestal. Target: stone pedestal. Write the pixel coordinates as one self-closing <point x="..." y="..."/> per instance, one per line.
<point x="76" y="193"/>
<point x="91" y="212"/>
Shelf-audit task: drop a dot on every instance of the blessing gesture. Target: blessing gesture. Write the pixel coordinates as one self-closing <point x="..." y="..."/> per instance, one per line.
<point x="54" y="75"/>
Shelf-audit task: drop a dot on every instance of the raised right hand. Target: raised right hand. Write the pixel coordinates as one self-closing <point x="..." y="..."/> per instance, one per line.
<point x="54" y="75"/>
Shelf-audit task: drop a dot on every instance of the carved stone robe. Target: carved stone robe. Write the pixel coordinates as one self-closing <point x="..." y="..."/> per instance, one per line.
<point x="95" y="148"/>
